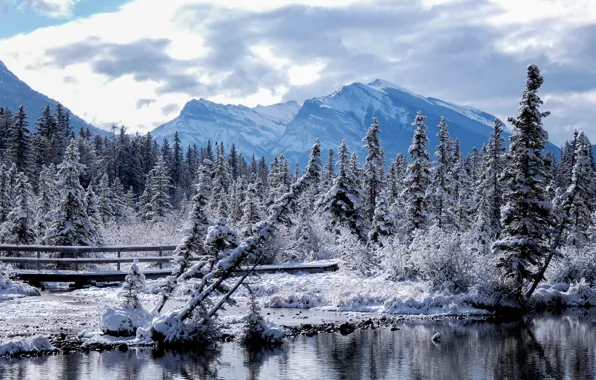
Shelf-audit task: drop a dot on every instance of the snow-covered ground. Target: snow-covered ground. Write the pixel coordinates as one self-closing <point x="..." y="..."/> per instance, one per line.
<point x="335" y="296"/>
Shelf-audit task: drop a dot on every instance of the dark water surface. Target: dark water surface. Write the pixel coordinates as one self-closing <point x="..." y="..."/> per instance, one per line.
<point x="545" y="346"/>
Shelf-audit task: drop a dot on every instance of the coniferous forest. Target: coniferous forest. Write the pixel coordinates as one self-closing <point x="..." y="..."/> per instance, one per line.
<point x="499" y="219"/>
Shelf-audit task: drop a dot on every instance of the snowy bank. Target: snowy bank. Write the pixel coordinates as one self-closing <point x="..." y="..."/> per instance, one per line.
<point x="20" y="346"/>
<point x="10" y="289"/>
<point x="561" y="295"/>
<point x="348" y="291"/>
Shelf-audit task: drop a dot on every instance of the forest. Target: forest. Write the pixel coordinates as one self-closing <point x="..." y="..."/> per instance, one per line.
<point x="498" y="221"/>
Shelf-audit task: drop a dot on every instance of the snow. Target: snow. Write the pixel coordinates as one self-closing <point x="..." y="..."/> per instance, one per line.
<point x="10" y="289"/>
<point x="124" y="321"/>
<point x="17" y="346"/>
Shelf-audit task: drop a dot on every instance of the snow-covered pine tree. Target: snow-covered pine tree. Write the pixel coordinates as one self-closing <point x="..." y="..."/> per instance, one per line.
<point x="251" y="209"/>
<point x="92" y="203"/>
<point x="47" y="196"/>
<point x="70" y="223"/>
<point x="490" y="189"/>
<point x="18" y="228"/>
<point x="340" y="205"/>
<point x="441" y="191"/>
<point x="464" y="199"/>
<point x="397" y="174"/>
<point x="328" y="171"/>
<point x="221" y="182"/>
<point x="577" y="201"/>
<point x="305" y="243"/>
<point x="134" y="283"/>
<point x="160" y="185"/>
<point x="374" y="173"/>
<point x="417" y="178"/>
<point x="383" y="222"/>
<point x="18" y="143"/>
<point x="106" y="204"/>
<point x="526" y="217"/>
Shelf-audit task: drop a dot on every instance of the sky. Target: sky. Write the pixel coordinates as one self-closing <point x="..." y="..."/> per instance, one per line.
<point x="137" y="62"/>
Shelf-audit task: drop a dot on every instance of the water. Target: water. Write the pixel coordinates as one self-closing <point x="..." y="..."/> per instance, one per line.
<point x="540" y="347"/>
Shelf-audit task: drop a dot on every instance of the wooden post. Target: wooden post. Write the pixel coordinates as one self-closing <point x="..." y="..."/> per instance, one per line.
<point x="38" y="264"/>
<point x="160" y="253"/>
<point x="118" y="264"/>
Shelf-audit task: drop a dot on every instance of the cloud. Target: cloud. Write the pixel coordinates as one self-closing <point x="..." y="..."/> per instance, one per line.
<point x="144" y="102"/>
<point x="50" y="8"/>
<point x="232" y="51"/>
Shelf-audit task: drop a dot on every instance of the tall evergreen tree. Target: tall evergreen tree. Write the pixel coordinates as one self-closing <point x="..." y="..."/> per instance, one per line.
<point x="417" y="178"/>
<point x="18" y="228"/>
<point x="490" y="189"/>
<point x="526" y="217"/>
<point x="70" y="223"/>
<point x="159" y="184"/>
<point x="441" y="192"/>
<point x="47" y="197"/>
<point x="374" y="175"/>
<point x="18" y="142"/>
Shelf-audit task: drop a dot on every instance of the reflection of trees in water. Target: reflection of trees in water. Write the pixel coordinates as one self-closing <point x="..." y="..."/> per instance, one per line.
<point x="538" y="347"/>
<point x="255" y="358"/>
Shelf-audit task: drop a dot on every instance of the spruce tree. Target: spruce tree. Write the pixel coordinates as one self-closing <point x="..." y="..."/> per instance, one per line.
<point x="47" y="197"/>
<point x="577" y="201"/>
<point x="526" y="217"/>
<point x="251" y="209"/>
<point x="160" y="184"/>
<point x="441" y="192"/>
<point x="417" y="178"/>
<point x="374" y="175"/>
<point x="18" y="228"/>
<point x="340" y="205"/>
<point x="92" y="203"/>
<point x="490" y="189"/>
<point x="18" y="142"/>
<point x="382" y="223"/>
<point x="70" y="224"/>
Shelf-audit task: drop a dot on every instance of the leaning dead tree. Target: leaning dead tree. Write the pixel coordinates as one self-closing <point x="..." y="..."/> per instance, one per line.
<point x="177" y="326"/>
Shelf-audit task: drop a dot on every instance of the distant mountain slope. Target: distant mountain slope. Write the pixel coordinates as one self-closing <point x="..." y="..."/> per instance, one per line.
<point x="253" y="130"/>
<point x="14" y="93"/>
<point x="346" y="114"/>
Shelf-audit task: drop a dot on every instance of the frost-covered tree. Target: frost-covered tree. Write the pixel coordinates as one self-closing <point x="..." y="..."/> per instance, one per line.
<point x="382" y="223"/>
<point x="221" y="182"/>
<point x="340" y="205"/>
<point x="134" y="283"/>
<point x="251" y="208"/>
<point x="70" y="223"/>
<point x="526" y="217"/>
<point x="464" y="200"/>
<point x="374" y="174"/>
<point x="18" y="228"/>
<point x="18" y="144"/>
<point x="490" y="189"/>
<point x="106" y="204"/>
<point x="417" y="178"/>
<point x="577" y="201"/>
<point x="305" y="242"/>
<point x="441" y="191"/>
<point x="47" y="196"/>
<point x="92" y="203"/>
<point x="328" y="171"/>
<point x="395" y="180"/>
<point x="159" y="184"/>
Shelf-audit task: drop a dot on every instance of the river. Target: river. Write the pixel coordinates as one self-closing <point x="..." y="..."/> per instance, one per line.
<point x="543" y="346"/>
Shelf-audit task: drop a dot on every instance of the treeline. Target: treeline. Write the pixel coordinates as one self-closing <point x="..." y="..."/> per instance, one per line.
<point x="514" y="203"/>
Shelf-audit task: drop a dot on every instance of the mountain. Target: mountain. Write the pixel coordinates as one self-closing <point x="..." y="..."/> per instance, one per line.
<point x="14" y="93"/>
<point x="346" y="114"/>
<point x="253" y="130"/>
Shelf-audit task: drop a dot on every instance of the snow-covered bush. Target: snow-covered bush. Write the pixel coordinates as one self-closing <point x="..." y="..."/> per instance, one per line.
<point x="356" y="255"/>
<point x="125" y="319"/>
<point x="257" y="331"/>
<point x="136" y="232"/>
<point x="443" y="259"/>
<point x="10" y="289"/>
<point x="33" y="345"/>
<point x="396" y="261"/>
<point x="572" y="265"/>
<point x="579" y="294"/>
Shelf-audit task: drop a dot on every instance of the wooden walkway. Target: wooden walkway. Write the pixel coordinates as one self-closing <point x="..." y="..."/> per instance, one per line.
<point x="14" y="254"/>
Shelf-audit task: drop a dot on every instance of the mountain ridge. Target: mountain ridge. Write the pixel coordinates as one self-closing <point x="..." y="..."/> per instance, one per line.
<point x="14" y="92"/>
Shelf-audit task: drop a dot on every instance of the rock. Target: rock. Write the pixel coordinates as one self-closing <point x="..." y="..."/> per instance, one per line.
<point x="123" y="347"/>
<point x="394" y="328"/>
<point x="436" y="337"/>
<point x="346" y="329"/>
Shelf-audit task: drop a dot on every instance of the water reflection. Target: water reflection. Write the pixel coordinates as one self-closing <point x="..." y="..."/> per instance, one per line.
<point x="538" y="347"/>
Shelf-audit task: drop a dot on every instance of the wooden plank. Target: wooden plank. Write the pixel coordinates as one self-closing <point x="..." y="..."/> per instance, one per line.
<point x="68" y="249"/>
<point x="98" y="260"/>
<point x="118" y="276"/>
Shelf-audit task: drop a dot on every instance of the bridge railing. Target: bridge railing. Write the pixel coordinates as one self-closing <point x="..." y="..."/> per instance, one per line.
<point x="37" y="255"/>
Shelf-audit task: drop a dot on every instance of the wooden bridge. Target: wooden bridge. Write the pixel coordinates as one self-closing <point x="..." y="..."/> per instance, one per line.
<point x="94" y="268"/>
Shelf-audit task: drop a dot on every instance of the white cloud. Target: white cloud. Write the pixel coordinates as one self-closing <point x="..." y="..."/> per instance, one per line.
<point x="51" y="8"/>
